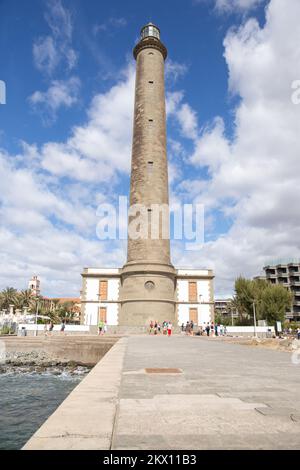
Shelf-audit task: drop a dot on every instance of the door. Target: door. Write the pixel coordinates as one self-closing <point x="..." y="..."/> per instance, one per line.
<point x="102" y="314"/>
<point x="193" y="314"/>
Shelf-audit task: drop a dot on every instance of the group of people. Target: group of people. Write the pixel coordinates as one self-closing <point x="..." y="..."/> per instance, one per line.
<point x="156" y="328"/>
<point x="208" y="329"/>
<point x="49" y="328"/>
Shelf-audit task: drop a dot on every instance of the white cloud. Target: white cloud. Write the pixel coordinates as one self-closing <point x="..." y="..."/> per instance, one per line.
<point x="96" y="150"/>
<point x="254" y="178"/>
<point x="49" y="51"/>
<point x="232" y="5"/>
<point x="61" y="93"/>
<point x="229" y="6"/>
<point x="110" y="25"/>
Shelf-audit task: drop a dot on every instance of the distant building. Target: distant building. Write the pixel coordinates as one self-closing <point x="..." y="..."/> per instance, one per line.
<point x="288" y="275"/>
<point x="222" y="308"/>
<point x="34" y="286"/>
<point x="101" y="296"/>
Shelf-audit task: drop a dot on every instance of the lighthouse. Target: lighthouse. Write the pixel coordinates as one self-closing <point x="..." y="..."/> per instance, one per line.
<point x="148" y="287"/>
<point x="147" y="290"/>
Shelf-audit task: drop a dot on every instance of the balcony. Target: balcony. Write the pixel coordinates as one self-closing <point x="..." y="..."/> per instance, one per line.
<point x="289" y="315"/>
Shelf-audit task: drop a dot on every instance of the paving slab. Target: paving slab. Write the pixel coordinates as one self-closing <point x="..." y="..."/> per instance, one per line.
<point x="228" y="396"/>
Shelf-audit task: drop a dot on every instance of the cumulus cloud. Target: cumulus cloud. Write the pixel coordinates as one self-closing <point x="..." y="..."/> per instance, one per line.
<point x="61" y="93"/>
<point x="254" y="176"/>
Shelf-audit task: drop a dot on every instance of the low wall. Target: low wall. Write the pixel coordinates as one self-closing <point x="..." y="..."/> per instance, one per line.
<point x="32" y="329"/>
<point x="85" y="420"/>
<point x="261" y="331"/>
<point x="83" y="350"/>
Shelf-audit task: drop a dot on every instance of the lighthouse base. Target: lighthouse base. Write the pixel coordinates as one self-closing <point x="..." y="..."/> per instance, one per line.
<point x="147" y="293"/>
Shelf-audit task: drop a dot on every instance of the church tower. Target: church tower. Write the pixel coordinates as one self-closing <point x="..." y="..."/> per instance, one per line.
<point x="148" y="278"/>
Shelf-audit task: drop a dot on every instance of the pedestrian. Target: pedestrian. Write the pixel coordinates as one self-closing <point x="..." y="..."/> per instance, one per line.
<point x="182" y="327"/>
<point x="165" y="328"/>
<point x="298" y="333"/>
<point x="51" y="326"/>
<point x="100" y="327"/>
<point x="155" y="328"/>
<point x="158" y="327"/>
<point x="63" y="326"/>
<point x="187" y="328"/>
<point x="151" y="327"/>
<point x="207" y="329"/>
<point x="169" y="328"/>
<point x="212" y="329"/>
<point x="191" y="327"/>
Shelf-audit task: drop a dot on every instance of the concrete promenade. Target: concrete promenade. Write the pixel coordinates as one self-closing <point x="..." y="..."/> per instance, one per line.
<point x="224" y="396"/>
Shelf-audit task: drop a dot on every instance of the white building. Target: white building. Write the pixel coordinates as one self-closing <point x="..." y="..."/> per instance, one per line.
<point x="100" y="296"/>
<point x="34" y="286"/>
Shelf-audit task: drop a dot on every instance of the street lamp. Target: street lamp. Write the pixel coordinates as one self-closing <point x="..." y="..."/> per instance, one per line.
<point x="254" y="318"/>
<point x="36" y="317"/>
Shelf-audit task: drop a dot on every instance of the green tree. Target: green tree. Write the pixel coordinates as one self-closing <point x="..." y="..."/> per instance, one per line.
<point x="271" y="301"/>
<point x="276" y="301"/>
<point x="8" y="297"/>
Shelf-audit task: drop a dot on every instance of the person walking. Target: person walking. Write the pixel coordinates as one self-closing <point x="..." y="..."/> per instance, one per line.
<point x="207" y="329"/>
<point x="151" y="327"/>
<point x="51" y="326"/>
<point x="100" y="328"/>
<point x="63" y="326"/>
<point x="169" y="328"/>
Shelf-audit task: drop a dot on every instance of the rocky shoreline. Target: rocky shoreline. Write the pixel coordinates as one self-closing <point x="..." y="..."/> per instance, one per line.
<point x="39" y="362"/>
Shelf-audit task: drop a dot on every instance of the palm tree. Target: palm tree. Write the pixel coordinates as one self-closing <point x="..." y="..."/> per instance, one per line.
<point x="8" y="297"/>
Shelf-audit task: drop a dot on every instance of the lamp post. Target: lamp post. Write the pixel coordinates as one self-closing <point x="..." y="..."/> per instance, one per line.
<point x="36" y="317"/>
<point x="254" y="319"/>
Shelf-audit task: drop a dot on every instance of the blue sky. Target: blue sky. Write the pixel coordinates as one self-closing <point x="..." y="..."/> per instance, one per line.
<point x="65" y="131"/>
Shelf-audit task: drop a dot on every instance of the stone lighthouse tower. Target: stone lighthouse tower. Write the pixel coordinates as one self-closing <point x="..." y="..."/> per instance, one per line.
<point x="148" y="279"/>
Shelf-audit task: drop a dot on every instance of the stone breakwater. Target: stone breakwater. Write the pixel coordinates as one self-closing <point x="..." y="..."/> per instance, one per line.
<point x="54" y="351"/>
<point x="39" y="362"/>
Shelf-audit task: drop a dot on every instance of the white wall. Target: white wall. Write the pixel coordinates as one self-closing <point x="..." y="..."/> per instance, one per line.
<point x="92" y="301"/>
<point x="203" y="290"/>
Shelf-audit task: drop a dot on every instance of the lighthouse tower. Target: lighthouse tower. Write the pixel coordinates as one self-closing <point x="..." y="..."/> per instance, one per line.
<point x="148" y="279"/>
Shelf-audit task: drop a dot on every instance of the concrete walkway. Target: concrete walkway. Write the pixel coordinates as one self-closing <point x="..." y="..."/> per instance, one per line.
<point x="227" y="396"/>
<point x="222" y="396"/>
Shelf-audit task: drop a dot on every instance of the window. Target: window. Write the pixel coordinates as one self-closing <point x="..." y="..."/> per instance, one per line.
<point x="102" y="314"/>
<point x="150" y="120"/>
<point x="150" y="168"/>
<point x="151" y="81"/>
<point x="193" y="297"/>
<point x="103" y="290"/>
